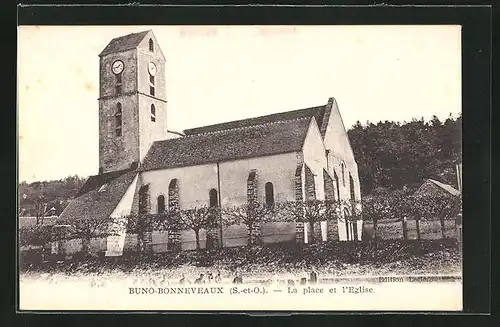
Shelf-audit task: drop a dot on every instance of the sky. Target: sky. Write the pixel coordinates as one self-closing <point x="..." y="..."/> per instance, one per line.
<point x="223" y="73"/>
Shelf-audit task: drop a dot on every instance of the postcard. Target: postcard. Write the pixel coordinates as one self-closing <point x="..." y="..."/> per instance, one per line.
<point x="290" y="168"/>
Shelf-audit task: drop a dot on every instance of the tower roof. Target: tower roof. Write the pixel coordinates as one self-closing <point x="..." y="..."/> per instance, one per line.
<point x="124" y="43"/>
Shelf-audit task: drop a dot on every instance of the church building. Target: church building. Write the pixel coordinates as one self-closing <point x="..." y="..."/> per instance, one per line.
<point x="145" y="168"/>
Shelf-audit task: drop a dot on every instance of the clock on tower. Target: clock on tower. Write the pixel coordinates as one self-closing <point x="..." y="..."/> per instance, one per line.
<point x="132" y="100"/>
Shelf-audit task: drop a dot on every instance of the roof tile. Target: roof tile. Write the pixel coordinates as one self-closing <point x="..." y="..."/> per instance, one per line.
<point x="124" y="43"/>
<point x="230" y="144"/>
<point x="316" y="112"/>
<point x="98" y="205"/>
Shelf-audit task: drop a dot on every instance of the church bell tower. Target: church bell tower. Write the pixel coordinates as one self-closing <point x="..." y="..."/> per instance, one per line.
<point x="132" y="100"/>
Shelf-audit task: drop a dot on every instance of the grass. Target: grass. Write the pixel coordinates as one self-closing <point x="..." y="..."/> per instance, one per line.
<point x="386" y="257"/>
<point x="390" y="255"/>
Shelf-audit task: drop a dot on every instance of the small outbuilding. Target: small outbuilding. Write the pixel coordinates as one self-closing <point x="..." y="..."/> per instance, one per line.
<point x="432" y="187"/>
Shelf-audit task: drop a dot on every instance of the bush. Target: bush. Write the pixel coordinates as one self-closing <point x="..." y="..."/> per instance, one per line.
<point x="37" y="235"/>
<point x="276" y="258"/>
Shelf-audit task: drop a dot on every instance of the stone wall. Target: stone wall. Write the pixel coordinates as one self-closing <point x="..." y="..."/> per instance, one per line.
<point x="328" y="184"/>
<point x="144" y="208"/>
<point x="118" y="152"/>
<point x="310" y="183"/>
<point x="174" y="236"/>
<point x="299" y="197"/>
<point x="252" y="197"/>
<point x="150" y="131"/>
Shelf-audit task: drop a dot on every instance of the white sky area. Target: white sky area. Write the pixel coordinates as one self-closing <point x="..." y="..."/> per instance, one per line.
<point x="222" y="73"/>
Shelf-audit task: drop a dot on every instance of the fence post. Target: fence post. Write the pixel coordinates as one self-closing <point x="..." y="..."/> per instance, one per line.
<point x="405" y="230"/>
<point x="441" y="218"/>
<point x="374" y="232"/>
<point x="417" y="222"/>
<point x="458" y="227"/>
<point x="347" y="228"/>
<point x="460" y="240"/>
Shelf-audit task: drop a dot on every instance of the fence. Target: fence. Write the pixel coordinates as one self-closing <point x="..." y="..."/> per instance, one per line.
<point x="391" y="229"/>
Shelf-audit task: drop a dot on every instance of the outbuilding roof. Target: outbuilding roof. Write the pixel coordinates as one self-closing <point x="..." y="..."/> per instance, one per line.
<point x="422" y="190"/>
<point x="97" y="202"/>
<point x="448" y="188"/>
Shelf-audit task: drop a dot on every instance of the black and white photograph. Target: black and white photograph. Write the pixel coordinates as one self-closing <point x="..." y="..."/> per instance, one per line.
<point x="221" y="167"/>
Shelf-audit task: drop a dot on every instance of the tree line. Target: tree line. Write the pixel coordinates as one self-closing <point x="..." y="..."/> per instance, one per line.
<point x="47" y="198"/>
<point x="393" y="154"/>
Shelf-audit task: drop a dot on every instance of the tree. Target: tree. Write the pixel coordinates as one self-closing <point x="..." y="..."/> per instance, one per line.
<point x="373" y="210"/>
<point x="442" y="207"/>
<point x="198" y="218"/>
<point x="37" y="235"/>
<point x="169" y="221"/>
<point x="55" y="193"/>
<point x="36" y="202"/>
<point x="88" y="228"/>
<point x="133" y="227"/>
<point x="352" y="213"/>
<point x="251" y="214"/>
<point x="312" y="212"/>
<point x="142" y="224"/>
<point x="40" y="207"/>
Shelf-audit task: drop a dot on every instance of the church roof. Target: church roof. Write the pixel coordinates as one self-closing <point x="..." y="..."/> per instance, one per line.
<point x="316" y="112"/>
<point x="124" y="43"/>
<point x="99" y="196"/>
<point x="239" y="142"/>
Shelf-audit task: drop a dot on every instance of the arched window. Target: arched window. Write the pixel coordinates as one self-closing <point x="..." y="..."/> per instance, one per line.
<point x="351" y="186"/>
<point x="173" y="184"/>
<point x="336" y="177"/>
<point x="342" y="166"/>
<point x="144" y="199"/>
<point x="153" y="113"/>
<point x="151" y="45"/>
<point x="160" y="204"/>
<point x="151" y="85"/>
<point x="173" y="194"/>
<point x="213" y="198"/>
<point x="269" y="188"/>
<point x="118" y="120"/>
